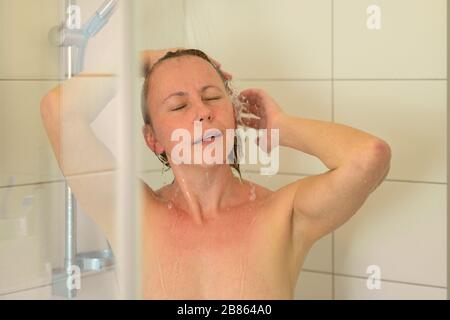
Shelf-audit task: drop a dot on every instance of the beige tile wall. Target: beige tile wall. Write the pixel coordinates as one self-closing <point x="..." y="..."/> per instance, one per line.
<point x="314" y="286"/>
<point x="411" y="115"/>
<point x="410" y="44"/>
<point x="24" y="49"/>
<point x="31" y="183"/>
<point x="402" y="227"/>
<point x="237" y="33"/>
<point x="101" y="286"/>
<point x="319" y="60"/>
<point x="351" y="288"/>
<point x="29" y="67"/>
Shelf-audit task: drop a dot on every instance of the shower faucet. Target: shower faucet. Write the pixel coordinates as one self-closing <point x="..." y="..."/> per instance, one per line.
<point x="78" y="39"/>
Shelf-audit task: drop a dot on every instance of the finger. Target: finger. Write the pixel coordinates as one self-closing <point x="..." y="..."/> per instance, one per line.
<point x="216" y="63"/>
<point x="227" y="75"/>
<point x="250" y="122"/>
<point x="255" y="109"/>
<point x="252" y="96"/>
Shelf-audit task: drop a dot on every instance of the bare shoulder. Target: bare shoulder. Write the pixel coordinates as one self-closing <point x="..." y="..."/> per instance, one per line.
<point x="260" y="191"/>
<point x="149" y="197"/>
<point x="281" y="197"/>
<point x="275" y="201"/>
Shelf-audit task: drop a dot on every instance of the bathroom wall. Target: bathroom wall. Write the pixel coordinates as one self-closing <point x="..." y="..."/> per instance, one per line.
<point x="31" y="183"/>
<point x="320" y="60"/>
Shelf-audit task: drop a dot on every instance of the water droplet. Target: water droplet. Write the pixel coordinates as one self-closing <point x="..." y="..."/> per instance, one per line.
<point x="239" y="106"/>
<point x="252" y="192"/>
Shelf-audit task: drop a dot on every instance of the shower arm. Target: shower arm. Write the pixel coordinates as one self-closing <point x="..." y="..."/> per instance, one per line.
<point x="78" y="39"/>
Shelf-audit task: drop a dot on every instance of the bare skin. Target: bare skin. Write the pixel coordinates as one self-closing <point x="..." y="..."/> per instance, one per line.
<point x="246" y="253"/>
<point x="207" y="235"/>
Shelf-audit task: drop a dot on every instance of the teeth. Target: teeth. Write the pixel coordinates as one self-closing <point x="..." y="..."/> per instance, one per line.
<point x="211" y="135"/>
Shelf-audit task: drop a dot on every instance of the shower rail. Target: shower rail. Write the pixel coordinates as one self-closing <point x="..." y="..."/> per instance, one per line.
<point x="75" y="41"/>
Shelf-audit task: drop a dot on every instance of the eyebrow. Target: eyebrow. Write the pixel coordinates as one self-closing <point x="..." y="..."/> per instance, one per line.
<point x="182" y="93"/>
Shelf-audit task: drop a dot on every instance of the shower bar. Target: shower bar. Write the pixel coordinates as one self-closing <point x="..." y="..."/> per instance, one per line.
<point x="75" y="41"/>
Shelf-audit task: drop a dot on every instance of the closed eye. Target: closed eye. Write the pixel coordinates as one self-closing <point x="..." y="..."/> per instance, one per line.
<point x="180" y="107"/>
<point x="207" y="99"/>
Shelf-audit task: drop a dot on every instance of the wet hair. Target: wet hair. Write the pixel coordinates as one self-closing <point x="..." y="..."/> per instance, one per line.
<point x="145" y="91"/>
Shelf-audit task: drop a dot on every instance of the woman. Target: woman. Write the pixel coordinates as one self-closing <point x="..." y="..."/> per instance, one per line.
<point x="210" y="235"/>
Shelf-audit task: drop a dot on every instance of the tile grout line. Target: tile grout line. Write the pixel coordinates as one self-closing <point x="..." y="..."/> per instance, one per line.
<point x="364" y="278"/>
<point x="44" y="285"/>
<point x="340" y="79"/>
<point x="158" y="171"/>
<point x="311" y="174"/>
<point x="257" y="79"/>
<point x="30" y="80"/>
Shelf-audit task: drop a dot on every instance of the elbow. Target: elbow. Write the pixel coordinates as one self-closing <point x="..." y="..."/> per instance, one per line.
<point x="374" y="153"/>
<point x="373" y="163"/>
<point x="377" y="161"/>
<point x="380" y="153"/>
<point x="47" y="104"/>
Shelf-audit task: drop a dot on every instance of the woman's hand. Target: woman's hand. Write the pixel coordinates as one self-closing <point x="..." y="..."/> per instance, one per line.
<point x="150" y="57"/>
<point x="268" y="114"/>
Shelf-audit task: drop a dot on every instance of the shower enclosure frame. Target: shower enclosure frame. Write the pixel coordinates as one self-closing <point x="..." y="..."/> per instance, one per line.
<point x="71" y="62"/>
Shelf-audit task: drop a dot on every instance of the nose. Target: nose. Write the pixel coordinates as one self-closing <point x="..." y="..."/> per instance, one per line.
<point x="203" y="112"/>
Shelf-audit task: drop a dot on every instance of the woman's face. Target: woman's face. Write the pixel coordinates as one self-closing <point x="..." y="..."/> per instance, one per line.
<point x="185" y="89"/>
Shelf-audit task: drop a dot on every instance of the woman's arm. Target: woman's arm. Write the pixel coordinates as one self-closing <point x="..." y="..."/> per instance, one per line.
<point x="333" y="143"/>
<point x="86" y="163"/>
<point x="358" y="162"/>
<point x="67" y="112"/>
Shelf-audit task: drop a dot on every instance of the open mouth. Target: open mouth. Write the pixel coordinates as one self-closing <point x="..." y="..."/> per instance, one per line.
<point x="209" y="137"/>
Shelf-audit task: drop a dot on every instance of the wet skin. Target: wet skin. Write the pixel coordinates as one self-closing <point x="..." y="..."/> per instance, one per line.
<point x="247" y="252"/>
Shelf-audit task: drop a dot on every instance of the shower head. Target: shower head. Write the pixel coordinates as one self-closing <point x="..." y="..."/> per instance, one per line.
<point x="107" y="9"/>
<point x="78" y="38"/>
<point x="100" y="18"/>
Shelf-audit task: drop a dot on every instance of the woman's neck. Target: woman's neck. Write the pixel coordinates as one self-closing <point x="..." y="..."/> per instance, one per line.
<point x="204" y="192"/>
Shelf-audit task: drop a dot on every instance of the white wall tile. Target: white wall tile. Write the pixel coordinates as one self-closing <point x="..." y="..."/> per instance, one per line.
<point x="39" y="293"/>
<point x="410" y="44"/>
<point x="314" y="286"/>
<point x="26" y="153"/>
<point x="159" y="24"/>
<point x="31" y="248"/>
<point x="25" y="51"/>
<point x="409" y="115"/>
<point x="347" y="288"/>
<point x="29" y="245"/>
<point x="101" y="286"/>
<point x="263" y="39"/>
<point x="402" y="229"/>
